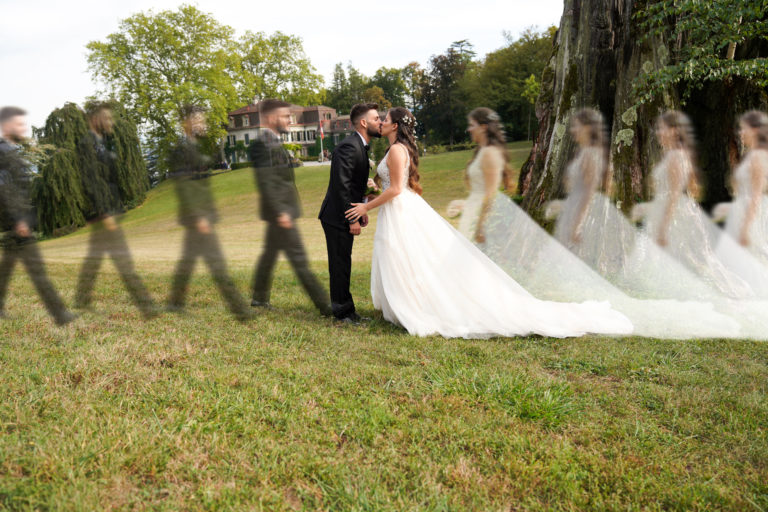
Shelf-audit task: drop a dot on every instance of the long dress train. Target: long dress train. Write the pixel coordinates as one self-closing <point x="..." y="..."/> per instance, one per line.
<point x="548" y="270"/>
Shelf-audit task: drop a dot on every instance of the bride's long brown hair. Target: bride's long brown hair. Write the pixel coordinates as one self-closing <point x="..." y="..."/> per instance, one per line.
<point x="592" y="121"/>
<point x="406" y="125"/>
<point x="496" y="137"/>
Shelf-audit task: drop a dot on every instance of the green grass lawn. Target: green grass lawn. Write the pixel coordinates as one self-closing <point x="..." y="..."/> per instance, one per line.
<point x="291" y="412"/>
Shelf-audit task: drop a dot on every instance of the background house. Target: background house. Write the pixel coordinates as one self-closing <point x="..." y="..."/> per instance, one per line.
<point x="245" y="125"/>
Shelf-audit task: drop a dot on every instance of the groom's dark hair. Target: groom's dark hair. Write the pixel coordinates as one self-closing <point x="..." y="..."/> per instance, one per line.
<point x="270" y="105"/>
<point x="358" y="111"/>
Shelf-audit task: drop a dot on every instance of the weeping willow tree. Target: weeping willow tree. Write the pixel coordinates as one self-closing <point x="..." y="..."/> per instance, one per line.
<point x="132" y="169"/>
<point x="58" y="193"/>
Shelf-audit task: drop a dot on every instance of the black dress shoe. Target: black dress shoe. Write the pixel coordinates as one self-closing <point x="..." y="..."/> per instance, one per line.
<point x="259" y="304"/>
<point x="354" y="319"/>
<point x="66" y="318"/>
<point x="175" y="308"/>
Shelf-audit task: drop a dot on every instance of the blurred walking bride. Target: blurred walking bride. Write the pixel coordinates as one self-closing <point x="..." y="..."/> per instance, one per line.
<point x="672" y="258"/>
<point x="428" y="278"/>
<point x="544" y="266"/>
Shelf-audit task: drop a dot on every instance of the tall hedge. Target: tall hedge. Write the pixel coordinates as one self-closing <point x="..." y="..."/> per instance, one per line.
<point x="58" y="193"/>
<point x="132" y="169"/>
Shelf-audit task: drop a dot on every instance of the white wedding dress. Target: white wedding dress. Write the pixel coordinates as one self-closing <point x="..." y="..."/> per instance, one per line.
<point x="751" y="262"/>
<point x="428" y="278"/>
<point x="548" y="270"/>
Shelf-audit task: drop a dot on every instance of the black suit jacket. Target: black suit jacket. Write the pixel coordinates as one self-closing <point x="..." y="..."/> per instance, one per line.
<point x="190" y="174"/>
<point x="349" y="179"/>
<point x="15" y="189"/>
<point x="273" y="169"/>
<point x="99" y="174"/>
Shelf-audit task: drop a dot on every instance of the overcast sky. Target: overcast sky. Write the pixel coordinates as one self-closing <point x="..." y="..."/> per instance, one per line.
<point x="43" y="55"/>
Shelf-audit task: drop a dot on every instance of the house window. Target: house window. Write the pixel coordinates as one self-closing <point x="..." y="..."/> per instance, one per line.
<point x="293" y="119"/>
<point x="231" y="122"/>
<point x="247" y="139"/>
<point x="246" y="120"/>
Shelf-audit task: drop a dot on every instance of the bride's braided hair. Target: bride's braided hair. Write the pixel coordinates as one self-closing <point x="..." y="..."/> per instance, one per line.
<point x="496" y="137"/>
<point x="406" y="125"/>
<point x="683" y="138"/>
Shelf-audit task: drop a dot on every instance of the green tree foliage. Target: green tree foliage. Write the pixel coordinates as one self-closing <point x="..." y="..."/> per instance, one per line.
<point x="387" y="87"/>
<point x="444" y="99"/>
<point x="391" y="81"/>
<point x="159" y="61"/>
<point x="375" y="94"/>
<point x="499" y="80"/>
<point x="347" y="88"/>
<point x="338" y="95"/>
<point x="275" y="66"/>
<point x="413" y="76"/>
<point x="58" y="194"/>
<point x="132" y="169"/>
<point x="530" y="93"/>
<point x="712" y="42"/>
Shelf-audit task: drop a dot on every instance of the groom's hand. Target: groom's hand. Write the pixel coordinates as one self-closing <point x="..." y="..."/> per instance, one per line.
<point x="354" y="228"/>
<point x="284" y="221"/>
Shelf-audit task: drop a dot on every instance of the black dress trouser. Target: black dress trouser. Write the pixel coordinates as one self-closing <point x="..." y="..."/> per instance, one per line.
<point x="105" y="242"/>
<point x="289" y="241"/>
<point x="206" y="246"/>
<point x="339" y="244"/>
<point x="26" y="250"/>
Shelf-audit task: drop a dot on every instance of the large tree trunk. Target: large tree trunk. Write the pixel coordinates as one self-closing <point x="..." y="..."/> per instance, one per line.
<point x="596" y="58"/>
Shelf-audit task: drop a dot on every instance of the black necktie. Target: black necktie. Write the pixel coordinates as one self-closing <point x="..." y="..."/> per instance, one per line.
<point x="367" y="147"/>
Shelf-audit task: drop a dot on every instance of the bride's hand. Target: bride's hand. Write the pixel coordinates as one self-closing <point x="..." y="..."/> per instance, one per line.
<point x="357" y="211"/>
<point x="744" y="239"/>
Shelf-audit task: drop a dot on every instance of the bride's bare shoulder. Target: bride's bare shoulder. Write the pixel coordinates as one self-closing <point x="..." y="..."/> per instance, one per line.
<point x="491" y="155"/>
<point x="396" y="153"/>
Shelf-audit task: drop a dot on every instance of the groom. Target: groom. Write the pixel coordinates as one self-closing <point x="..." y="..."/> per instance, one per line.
<point x="349" y="178"/>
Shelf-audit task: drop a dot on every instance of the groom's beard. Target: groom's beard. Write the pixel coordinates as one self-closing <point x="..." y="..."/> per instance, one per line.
<point x="373" y="133"/>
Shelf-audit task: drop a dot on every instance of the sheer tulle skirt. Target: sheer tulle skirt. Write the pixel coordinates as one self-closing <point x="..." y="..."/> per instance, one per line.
<point x="642" y="269"/>
<point x="550" y="271"/>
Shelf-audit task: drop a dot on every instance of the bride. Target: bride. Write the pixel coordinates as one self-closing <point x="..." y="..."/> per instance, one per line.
<point x="428" y="278"/>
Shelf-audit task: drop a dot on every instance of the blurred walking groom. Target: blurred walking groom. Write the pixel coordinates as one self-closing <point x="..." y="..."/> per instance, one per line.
<point x="280" y="208"/>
